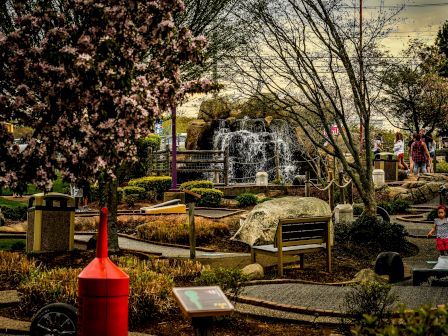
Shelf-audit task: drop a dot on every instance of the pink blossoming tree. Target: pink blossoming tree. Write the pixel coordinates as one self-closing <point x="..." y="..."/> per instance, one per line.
<point x="89" y="79"/>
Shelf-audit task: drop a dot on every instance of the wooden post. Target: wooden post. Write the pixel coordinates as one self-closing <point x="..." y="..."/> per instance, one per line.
<point x="226" y="167"/>
<point x="307" y="184"/>
<point x="168" y="165"/>
<point x="331" y="191"/>
<point x="202" y="325"/>
<point x="192" y="231"/>
<point x="341" y="189"/>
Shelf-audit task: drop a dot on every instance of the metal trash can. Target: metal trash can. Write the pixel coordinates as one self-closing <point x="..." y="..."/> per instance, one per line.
<point x="389" y="165"/>
<point x="51" y="219"/>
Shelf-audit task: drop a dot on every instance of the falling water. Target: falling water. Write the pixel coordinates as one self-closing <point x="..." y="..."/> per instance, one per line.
<point x="252" y="147"/>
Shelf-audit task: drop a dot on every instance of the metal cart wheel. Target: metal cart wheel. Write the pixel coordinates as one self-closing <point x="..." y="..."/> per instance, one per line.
<point x="53" y="320"/>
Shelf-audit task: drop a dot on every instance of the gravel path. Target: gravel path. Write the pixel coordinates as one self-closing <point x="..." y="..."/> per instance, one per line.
<point x="165" y="251"/>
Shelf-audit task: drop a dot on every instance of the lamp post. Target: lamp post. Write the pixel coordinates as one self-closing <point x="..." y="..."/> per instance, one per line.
<point x="174" y="150"/>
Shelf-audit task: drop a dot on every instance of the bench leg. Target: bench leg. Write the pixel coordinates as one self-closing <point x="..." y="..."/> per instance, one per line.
<point x="280" y="264"/>
<point x="302" y="261"/>
<point x="252" y="256"/>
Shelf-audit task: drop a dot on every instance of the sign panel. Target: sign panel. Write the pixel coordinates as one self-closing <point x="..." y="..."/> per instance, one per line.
<point x="202" y="301"/>
<point x="158" y="127"/>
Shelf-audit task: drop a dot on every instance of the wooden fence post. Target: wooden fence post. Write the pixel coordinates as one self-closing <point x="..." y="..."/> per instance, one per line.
<point x="331" y="190"/>
<point x="341" y="189"/>
<point x="168" y="165"/>
<point x="307" y="184"/>
<point x="192" y="231"/>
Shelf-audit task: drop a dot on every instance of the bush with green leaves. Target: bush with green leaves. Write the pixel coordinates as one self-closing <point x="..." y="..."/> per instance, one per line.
<point x="210" y="197"/>
<point x="373" y="233"/>
<point x="246" y="199"/>
<point x="196" y="184"/>
<point x="423" y="321"/>
<point x="442" y="167"/>
<point x="395" y="206"/>
<point x="158" y="184"/>
<point x="13" y="210"/>
<point x="229" y="279"/>
<point x="372" y="298"/>
<point x="139" y="192"/>
<point x="131" y="200"/>
<point x="358" y="209"/>
<point x="432" y="215"/>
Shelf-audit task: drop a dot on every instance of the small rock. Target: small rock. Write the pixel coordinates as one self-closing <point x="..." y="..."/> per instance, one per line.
<point x="253" y="271"/>
<point x="368" y="275"/>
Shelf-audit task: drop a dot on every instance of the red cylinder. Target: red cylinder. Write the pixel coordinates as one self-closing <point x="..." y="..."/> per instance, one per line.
<point x="103" y="292"/>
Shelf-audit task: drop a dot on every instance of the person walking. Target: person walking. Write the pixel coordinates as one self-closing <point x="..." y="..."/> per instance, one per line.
<point x="411" y="164"/>
<point x="377" y="146"/>
<point x="399" y="151"/>
<point x="441" y="229"/>
<point x="420" y="155"/>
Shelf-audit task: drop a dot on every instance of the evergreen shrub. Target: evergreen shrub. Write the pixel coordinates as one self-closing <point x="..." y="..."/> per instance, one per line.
<point x="210" y="197"/>
<point x="196" y="184"/>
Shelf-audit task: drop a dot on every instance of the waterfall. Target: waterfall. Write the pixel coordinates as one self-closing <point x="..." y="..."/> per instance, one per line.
<point x="253" y="147"/>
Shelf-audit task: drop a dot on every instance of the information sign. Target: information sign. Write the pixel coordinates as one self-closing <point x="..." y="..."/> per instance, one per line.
<point x="202" y="301"/>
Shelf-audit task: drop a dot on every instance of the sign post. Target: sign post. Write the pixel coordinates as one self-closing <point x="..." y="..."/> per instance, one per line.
<point x="202" y="304"/>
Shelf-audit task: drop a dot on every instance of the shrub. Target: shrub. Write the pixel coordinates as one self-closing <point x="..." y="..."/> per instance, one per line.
<point x="49" y="286"/>
<point x="196" y="184"/>
<point x="358" y="209"/>
<point x="378" y="234"/>
<point x="13" y="210"/>
<point x="420" y="322"/>
<point x="151" y="283"/>
<point x="396" y="206"/>
<point x="14" y="267"/>
<point x="369" y="298"/>
<point x="139" y="192"/>
<point x="229" y="279"/>
<point x="210" y="197"/>
<point x="158" y="184"/>
<point x="432" y="215"/>
<point x="131" y="199"/>
<point x="176" y="231"/>
<point x="246" y="199"/>
<point x="442" y="167"/>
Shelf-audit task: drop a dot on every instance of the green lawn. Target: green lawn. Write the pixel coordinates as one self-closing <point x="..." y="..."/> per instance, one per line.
<point x="58" y="186"/>
<point x="13" y="243"/>
<point x="12" y="203"/>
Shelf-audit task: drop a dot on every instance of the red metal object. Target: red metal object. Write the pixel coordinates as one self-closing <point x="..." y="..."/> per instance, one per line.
<point x="103" y="291"/>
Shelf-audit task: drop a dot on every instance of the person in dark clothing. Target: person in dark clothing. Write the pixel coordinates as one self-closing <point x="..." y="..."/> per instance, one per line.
<point x="420" y="155"/>
<point x="411" y="164"/>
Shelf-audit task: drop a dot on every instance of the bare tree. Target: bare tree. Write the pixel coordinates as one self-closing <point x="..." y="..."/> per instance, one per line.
<point x="416" y="96"/>
<point x="307" y="53"/>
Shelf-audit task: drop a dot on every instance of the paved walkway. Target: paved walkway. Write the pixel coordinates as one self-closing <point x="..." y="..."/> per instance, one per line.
<point x="163" y="250"/>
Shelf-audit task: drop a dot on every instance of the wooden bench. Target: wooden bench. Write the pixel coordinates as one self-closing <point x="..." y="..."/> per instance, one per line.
<point x="298" y="237"/>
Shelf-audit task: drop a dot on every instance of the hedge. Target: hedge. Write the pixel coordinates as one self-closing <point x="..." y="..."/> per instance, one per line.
<point x="133" y="190"/>
<point x="196" y="184"/>
<point x="210" y="197"/>
<point x="159" y="184"/>
<point x="246" y="199"/>
<point x="13" y="210"/>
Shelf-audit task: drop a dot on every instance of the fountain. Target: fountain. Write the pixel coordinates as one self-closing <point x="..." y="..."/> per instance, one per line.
<point x="254" y="146"/>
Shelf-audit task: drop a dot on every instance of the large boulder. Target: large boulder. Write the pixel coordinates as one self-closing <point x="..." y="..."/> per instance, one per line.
<point x="261" y="223"/>
<point x="196" y="132"/>
<point x="214" y="109"/>
<point x="253" y="272"/>
<point x="422" y="194"/>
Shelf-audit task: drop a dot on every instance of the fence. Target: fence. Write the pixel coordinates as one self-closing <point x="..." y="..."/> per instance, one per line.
<point x="191" y="161"/>
<point x="342" y="184"/>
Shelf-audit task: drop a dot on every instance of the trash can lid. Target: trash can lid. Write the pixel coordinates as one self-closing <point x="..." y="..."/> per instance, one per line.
<point x="52" y="195"/>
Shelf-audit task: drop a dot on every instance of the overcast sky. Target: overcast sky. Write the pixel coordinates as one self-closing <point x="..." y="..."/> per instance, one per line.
<point x="419" y="19"/>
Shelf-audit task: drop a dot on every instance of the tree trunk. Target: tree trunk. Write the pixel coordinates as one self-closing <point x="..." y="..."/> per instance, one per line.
<point x="112" y="205"/>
